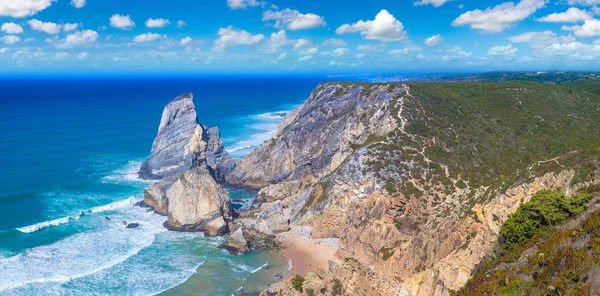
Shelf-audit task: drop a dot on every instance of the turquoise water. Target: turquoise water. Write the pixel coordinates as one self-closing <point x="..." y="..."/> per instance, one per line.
<point x="70" y="152"/>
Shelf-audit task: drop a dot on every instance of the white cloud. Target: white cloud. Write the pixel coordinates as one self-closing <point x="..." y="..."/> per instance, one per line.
<point x="434" y="41"/>
<point x="436" y="3"/>
<point x="338" y="52"/>
<point x="157" y="23"/>
<point x="181" y="24"/>
<point x="404" y="51"/>
<point x="282" y="56"/>
<point x="459" y="55"/>
<point x="588" y="29"/>
<point x="385" y="28"/>
<point x="70" y="27"/>
<point x="79" y="38"/>
<point x="83" y="56"/>
<point x="303" y="46"/>
<point x="23" y="8"/>
<point x="305" y="58"/>
<point x="11" y="28"/>
<point x="78" y="3"/>
<point x="276" y="42"/>
<point x="500" y="50"/>
<point x="242" y="4"/>
<point x="371" y="47"/>
<point x="333" y="42"/>
<point x="571" y="51"/>
<point x="584" y="2"/>
<point x="148" y="37"/>
<point x="10" y="39"/>
<point x="122" y="22"/>
<point x="3" y="50"/>
<point x="293" y="19"/>
<point x="572" y="15"/>
<point x="232" y="37"/>
<point x="47" y="27"/>
<point x="360" y="55"/>
<point x="500" y="17"/>
<point x="186" y="41"/>
<point x="542" y="39"/>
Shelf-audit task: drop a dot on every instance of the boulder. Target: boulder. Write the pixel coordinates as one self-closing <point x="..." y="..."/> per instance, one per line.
<point x="197" y="203"/>
<point x="236" y="242"/>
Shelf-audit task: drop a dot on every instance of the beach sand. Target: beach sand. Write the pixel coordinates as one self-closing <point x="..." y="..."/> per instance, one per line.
<point x="306" y="255"/>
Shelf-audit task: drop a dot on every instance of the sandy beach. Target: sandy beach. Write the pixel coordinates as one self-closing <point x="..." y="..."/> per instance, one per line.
<point x="305" y="254"/>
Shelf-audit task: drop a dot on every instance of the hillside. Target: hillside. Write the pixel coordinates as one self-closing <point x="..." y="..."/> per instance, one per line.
<point x="416" y="180"/>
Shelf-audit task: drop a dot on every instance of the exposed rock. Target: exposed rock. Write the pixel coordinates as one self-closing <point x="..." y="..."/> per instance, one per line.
<point x="197" y="203"/>
<point x="217" y="157"/>
<point x="133" y="225"/>
<point x="236" y="242"/>
<point x="155" y="197"/>
<point x="182" y="143"/>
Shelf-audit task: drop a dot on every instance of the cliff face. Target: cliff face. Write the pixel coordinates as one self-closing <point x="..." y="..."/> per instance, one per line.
<point x="189" y="159"/>
<point x="416" y="179"/>
<point x="182" y="144"/>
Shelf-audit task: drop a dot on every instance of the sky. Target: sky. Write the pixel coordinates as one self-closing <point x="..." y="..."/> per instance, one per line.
<point x="297" y="37"/>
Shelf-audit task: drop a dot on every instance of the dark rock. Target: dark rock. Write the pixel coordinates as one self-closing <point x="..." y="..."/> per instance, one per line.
<point x="133" y="225"/>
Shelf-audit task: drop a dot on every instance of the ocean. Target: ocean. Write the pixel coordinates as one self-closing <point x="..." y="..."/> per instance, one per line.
<point x="70" y="150"/>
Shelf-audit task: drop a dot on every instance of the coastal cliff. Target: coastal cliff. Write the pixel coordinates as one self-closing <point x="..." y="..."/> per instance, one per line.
<point x="189" y="160"/>
<point x="414" y="180"/>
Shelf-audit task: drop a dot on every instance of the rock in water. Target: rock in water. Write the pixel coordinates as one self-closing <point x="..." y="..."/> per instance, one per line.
<point x="133" y="225"/>
<point x="183" y="144"/>
<point x="194" y="202"/>
<point x="236" y="243"/>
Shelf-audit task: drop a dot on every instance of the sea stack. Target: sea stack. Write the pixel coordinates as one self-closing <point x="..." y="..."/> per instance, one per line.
<point x="189" y="160"/>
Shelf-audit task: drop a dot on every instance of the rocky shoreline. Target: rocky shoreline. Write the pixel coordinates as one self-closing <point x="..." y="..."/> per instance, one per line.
<point x="370" y="175"/>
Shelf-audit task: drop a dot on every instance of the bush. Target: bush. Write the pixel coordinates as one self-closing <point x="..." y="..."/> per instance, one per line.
<point x="546" y="208"/>
<point x="310" y="292"/>
<point x="337" y="287"/>
<point x="297" y="283"/>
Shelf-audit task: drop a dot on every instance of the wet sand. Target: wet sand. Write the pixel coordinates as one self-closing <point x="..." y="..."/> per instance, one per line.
<point x="305" y="254"/>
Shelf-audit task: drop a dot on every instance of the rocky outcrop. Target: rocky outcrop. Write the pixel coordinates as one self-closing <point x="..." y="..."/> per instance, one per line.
<point x="236" y="242"/>
<point x="402" y="178"/>
<point x="190" y="161"/>
<point x="182" y="143"/>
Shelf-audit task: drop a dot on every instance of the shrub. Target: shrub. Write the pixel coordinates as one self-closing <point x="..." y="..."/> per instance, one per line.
<point x="297" y="283"/>
<point x="337" y="287"/>
<point x="310" y="292"/>
<point x="546" y="208"/>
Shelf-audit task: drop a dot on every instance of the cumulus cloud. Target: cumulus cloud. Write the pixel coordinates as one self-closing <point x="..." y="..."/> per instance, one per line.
<point x="186" y="41"/>
<point x="338" y="52"/>
<point x="434" y="41"/>
<point x="500" y="50"/>
<point x="47" y="27"/>
<point x="232" y="37"/>
<point x="181" y="24"/>
<point x="123" y="22"/>
<point x="333" y="42"/>
<point x="70" y="27"/>
<point x="541" y="39"/>
<point x="398" y="52"/>
<point x="23" y="8"/>
<point x="371" y="47"/>
<point x="305" y="58"/>
<point x="436" y="3"/>
<point x="303" y="46"/>
<point x="454" y="56"/>
<point x="276" y="42"/>
<point x="79" y="38"/>
<point x="584" y="2"/>
<point x="157" y="23"/>
<point x="10" y="39"/>
<point x="385" y="27"/>
<point x="11" y="28"/>
<point x="589" y="29"/>
<point x="282" y="56"/>
<point x="242" y="4"/>
<point x="572" y="15"/>
<point x="497" y="19"/>
<point x="293" y="19"/>
<point x="571" y="51"/>
<point x="148" y="37"/>
<point x="78" y="3"/>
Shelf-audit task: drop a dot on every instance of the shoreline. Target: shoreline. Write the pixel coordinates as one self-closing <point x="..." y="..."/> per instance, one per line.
<point x="305" y="254"/>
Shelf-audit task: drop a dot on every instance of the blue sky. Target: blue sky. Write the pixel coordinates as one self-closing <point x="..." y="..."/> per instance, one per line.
<point x="310" y="36"/>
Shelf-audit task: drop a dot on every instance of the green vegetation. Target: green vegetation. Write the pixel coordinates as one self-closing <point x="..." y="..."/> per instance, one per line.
<point x="546" y="208"/>
<point x="337" y="287"/>
<point x="310" y="292"/>
<point x="297" y="283"/>
<point x="542" y="259"/>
